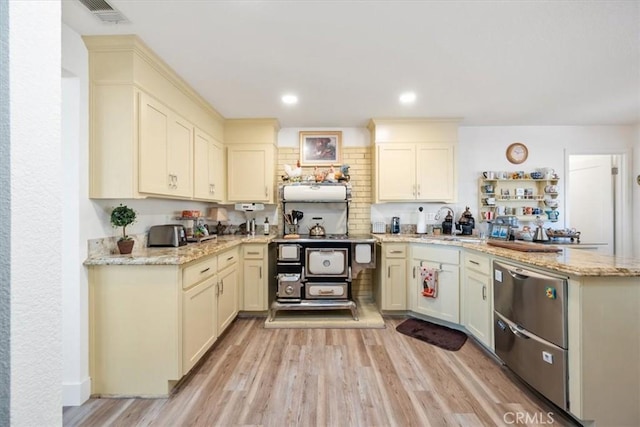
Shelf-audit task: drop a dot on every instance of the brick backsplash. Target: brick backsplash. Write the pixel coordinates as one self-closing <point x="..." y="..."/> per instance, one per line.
<point x="359" y="160"/>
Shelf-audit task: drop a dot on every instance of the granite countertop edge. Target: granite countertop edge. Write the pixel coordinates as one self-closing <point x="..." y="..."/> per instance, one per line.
<point x="176" y="256"/>
<point x="575" y="262"/>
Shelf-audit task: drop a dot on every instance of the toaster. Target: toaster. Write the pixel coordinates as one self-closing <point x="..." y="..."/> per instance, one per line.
<point x="167" y="235"/>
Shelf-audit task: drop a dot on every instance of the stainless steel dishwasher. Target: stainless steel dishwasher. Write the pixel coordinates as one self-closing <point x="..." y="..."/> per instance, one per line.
<point x="530" y="328"/>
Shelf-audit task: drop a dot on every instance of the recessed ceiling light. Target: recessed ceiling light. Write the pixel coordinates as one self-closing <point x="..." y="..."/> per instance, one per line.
<point x="407" y="98"/>
<point x="290" y="99"/>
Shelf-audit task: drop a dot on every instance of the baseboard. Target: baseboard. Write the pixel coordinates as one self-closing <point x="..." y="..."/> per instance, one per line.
<point x="75" y="394"/>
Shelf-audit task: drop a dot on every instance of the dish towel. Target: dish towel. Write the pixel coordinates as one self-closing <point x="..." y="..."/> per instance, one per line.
<point x="429" y="278"/>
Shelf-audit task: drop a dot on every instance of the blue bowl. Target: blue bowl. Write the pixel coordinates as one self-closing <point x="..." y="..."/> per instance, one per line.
<point x="536" y="175"/>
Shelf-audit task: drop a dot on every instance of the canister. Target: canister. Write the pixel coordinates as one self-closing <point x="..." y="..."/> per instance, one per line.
<point x="395" y="225"/>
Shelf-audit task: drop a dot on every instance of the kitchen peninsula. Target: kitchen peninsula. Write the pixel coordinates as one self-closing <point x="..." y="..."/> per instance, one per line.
<point x="603" y="307"/>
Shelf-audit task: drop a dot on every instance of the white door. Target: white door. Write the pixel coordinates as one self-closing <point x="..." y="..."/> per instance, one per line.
<point x="591" y="199"/>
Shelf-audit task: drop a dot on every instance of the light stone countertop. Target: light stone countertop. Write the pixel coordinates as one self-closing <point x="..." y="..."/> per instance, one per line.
<point x="175" y="256"/>
<point x="578" y="262"/>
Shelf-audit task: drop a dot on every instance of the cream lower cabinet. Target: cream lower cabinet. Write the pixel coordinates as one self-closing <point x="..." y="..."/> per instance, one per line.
<point x="166" y="150"/>
<point x="250" y="173"/>
<point x="446" y="261"/>
<point x="209" y="182"/>
<point x="227" y="288"/>
<point x="390" y="288"/>
<point x="254" y="278"/>
<point x="150" y="324"/>
<point x="200" y="321"/>
<point x="477" y="297"/>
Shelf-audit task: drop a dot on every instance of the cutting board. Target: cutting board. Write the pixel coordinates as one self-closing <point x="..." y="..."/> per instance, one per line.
<point x="523" y="246"/>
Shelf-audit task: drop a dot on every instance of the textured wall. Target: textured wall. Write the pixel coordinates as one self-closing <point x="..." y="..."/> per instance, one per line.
<point x="359" y="158"/>
<point x="34" y="67"/>
<point x="5" y="218"/>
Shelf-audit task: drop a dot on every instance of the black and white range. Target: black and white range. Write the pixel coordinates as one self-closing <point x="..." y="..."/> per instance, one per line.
<point x="314" y="271"/>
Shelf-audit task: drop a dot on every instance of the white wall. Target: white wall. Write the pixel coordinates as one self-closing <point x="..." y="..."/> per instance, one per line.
<point x="34" y="66"/>
<point x="635" y="175"/>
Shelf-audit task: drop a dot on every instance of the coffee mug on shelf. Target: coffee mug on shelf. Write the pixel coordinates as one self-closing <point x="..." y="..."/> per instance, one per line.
<point x="489" y="174"/>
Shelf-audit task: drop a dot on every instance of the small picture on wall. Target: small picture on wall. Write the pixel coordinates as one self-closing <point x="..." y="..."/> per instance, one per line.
<point x="320" y="148"/>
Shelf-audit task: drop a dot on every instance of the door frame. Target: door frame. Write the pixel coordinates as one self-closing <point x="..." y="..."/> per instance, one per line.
<point x="623" y="239"/>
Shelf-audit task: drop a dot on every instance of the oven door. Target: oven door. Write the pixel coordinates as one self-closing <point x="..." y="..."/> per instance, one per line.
<point x="327" y="290"/>
<point x="289" y="287"/>
<point x="327" y="262"/>
<point x="288" y="252"/>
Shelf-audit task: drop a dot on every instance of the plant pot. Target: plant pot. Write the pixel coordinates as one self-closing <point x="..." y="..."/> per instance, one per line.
<point x="125" y="246"/>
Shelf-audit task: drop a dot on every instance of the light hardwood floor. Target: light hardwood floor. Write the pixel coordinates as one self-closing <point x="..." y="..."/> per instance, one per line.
<point x="331" y="377"/>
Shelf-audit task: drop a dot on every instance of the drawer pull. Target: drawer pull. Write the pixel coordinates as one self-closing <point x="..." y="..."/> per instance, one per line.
<point x="395" y="252"/>
<point x="230" y="258"/>
<point x="261" y="272"/>
<point x="205" y="270"/>
<point x="484" y="292"/>
<point x="253" y="253"/>
<point x="474" y="262"/>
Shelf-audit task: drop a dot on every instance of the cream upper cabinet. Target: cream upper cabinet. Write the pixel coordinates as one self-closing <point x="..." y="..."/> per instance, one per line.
<point x="251" y="159"/>
<point x="397" y="172"/>
<point x="142" y="118"/>
<point x="251" y="173"/>
<point x="166" y="150"/>
<point x="414" y="160"/>
<point x="435" y="172"/>
<point x="209" y="168"/>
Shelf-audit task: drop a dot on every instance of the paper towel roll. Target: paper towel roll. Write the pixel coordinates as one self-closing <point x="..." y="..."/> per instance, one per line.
<point x="421" y="227"/>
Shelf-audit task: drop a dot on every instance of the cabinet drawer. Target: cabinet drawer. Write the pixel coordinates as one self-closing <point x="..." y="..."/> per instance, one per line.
<point x="253" y="252"/>
<point x="199" y="271"/>
<point x="436" y="254"/>
<point x="395" y="250"/>
<point x="227" y="258"/>
<point x="479" y="263"/>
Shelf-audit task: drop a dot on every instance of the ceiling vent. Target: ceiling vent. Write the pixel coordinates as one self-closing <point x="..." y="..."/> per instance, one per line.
<point x="104" y="12"/>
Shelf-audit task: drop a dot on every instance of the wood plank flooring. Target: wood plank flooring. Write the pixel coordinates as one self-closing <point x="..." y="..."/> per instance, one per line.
<point x="331" y="377"/>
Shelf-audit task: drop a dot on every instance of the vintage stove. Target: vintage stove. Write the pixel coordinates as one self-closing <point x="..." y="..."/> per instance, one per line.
<point x="316" y="272"/>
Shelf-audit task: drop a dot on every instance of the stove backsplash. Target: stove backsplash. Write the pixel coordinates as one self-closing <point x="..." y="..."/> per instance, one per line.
<point x="334" y="216"/>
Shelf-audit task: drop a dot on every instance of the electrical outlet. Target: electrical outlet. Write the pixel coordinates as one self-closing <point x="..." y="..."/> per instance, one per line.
<point x="431" y="216"/>
<point x="547" y="357"/>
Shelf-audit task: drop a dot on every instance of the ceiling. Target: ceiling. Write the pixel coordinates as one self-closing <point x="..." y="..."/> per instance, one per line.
<point x="487" y="62"/>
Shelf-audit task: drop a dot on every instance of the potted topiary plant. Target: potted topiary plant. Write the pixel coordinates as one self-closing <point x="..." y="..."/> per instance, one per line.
<point x="121" y="216"/>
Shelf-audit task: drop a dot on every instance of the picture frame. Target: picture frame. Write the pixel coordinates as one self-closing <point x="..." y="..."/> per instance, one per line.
<point x="321" y="148"/>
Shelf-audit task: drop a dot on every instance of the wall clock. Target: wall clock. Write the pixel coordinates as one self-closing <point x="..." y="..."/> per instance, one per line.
<point x="517" y="153"/>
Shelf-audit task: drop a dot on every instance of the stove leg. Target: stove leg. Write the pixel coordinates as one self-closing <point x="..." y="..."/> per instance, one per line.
<point x="354" y="310"/>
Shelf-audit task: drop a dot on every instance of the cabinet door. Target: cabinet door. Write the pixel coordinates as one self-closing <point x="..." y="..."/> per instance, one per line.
<point x="255" y="285"/>
<point x="250" y="173"/>
<point x="477" y="306"/>
<point x="446" y="305"/>
<point x="199" y="324"/>
<point x="394" y="284"/>
<point x="180" y="155"/>
<point x="208" y="168"/>
<point x="154" y="138"/>
<point x="166" y="150"/>
<point x="435" y="172"/>
<point x="227" y="297"/>
<point x="396" y="178"/>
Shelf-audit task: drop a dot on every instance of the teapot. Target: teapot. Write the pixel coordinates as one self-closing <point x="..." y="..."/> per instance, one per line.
<point x="317" y="230"/>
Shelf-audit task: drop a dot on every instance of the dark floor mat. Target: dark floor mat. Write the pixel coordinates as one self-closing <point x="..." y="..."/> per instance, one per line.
<point x="441" y="336"/>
